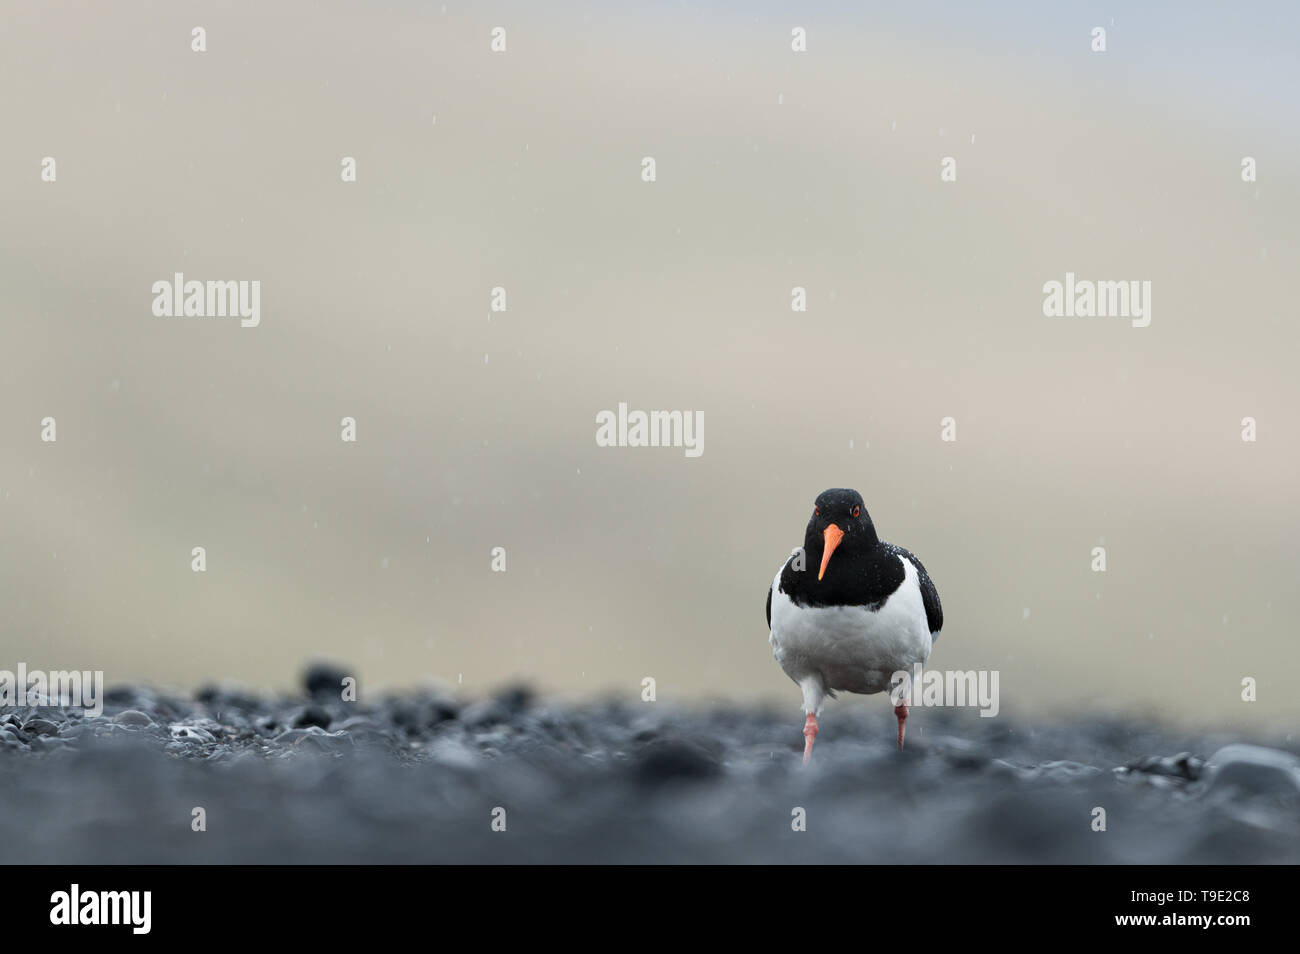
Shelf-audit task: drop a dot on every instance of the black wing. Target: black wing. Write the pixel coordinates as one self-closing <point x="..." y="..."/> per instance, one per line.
<point x="769" y="607"/>
<point x="929" y="593"/>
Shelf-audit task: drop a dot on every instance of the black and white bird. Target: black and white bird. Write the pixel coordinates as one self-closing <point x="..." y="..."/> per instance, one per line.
<point x="850" y="622"/>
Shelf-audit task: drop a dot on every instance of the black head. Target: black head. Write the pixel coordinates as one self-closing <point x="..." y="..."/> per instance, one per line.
<point x="840" y="523"/>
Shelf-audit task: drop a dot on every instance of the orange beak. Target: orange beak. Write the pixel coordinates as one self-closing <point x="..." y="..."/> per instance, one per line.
<point x="832" y="535"/>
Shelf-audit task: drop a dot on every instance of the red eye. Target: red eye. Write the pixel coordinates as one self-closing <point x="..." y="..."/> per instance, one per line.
<point x="817" y="511"/>
<point x="856" y="511"/>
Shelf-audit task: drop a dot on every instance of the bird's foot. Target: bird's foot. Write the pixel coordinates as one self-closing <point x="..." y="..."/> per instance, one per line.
<point x="900" y="710"/>
<point x="809" y="735"/>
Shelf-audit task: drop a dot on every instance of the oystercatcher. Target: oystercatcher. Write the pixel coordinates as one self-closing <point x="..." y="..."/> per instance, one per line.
<point x="867" y="610"/>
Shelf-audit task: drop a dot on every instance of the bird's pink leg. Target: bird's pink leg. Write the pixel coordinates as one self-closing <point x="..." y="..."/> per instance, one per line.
<point x="900" y="710"/>
<point x="809" y="735"/>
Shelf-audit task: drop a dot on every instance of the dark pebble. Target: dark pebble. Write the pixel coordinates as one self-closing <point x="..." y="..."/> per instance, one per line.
<point x="418" y="715"/>
<point x="1184" y="765"/>
<point x="324" y="680"/>
<point x="671" y="759"/>
<point x="40" y="727"/>
<point x="410" y="779"/>
<point x="515" y="699"/>
<point x="313" y="715"/>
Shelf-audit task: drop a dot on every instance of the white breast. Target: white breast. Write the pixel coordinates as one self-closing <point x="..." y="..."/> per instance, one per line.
<point x="850" y="648"/>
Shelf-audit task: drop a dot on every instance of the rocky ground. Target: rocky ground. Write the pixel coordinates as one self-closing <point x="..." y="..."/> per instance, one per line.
<point x="420" y="778"/>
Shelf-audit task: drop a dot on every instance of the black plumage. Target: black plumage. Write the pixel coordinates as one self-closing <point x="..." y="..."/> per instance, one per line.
<point x="866" y="571"/>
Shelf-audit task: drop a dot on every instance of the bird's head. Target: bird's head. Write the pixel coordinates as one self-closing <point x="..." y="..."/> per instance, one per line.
<point x="840" y="523"/>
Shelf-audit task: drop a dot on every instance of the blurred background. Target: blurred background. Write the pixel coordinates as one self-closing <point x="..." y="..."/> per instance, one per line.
<point x="476" y="429"/>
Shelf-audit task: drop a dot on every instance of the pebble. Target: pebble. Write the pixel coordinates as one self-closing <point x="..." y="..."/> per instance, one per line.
<point x="189" y="733"/>
<point x="413" y="777"/>
<point x="479" y="715"/>
<point x="324" y="680"/>
<point x="314" y="738"/>
<point x="664" y="760"/>
<point x="312" y="715"/>
<point x="1253" y="769"/>
<point x="40" y="727"/>
<point x="132" y="717"/>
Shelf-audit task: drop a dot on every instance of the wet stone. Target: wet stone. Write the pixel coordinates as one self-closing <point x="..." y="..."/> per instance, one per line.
<point x="132" y="717"/>
<point x="312" y="715"/>
<point x="675" y="759"/>
<point x="479" y="715"/>
<point x="1254" y="769"/>
<point x="34" y="727"/>
<point x="1184" y="765"/>
<point x="187" y="733"/>
<point x="406" y="779"/>
<point x="324" y="680"/>
<point x="315" y="739"/>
